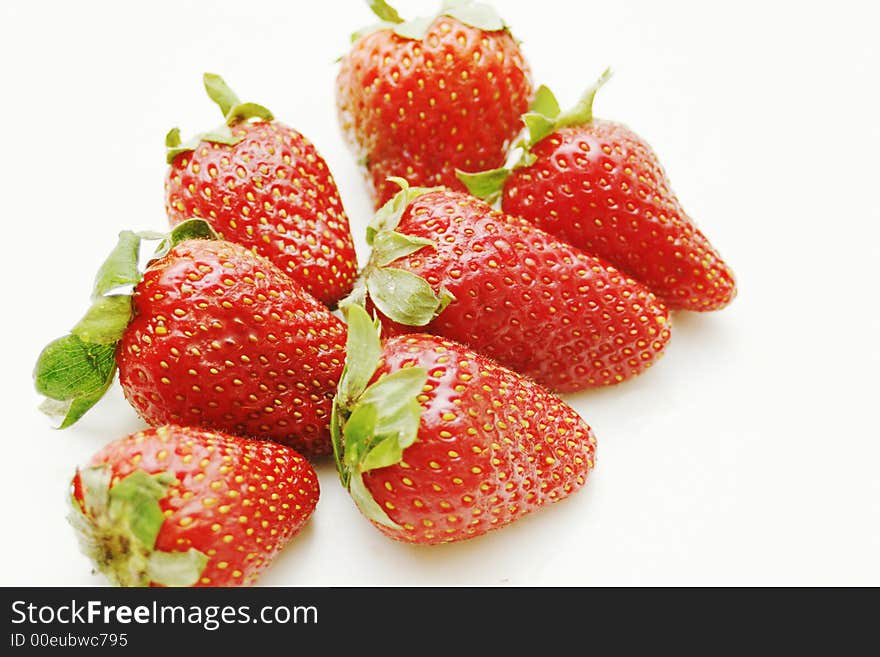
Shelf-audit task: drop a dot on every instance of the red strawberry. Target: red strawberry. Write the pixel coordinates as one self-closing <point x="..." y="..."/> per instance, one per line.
<point x="422" y="98"/>
<point x="437" y="443"/>
<point x="514" y="293"/>
<point x="264" y="185"/>
<point x="176" y="506"/>
<point x="214" y="336"/>
<point x="599" y="186"/>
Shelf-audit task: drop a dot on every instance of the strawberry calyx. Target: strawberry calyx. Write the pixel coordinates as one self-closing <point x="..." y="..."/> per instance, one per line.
<point x="74" y="371"/>
<point x="372" y="424"/>
<point x="476" y="14"/>
<point x="389" y="215"/>
<point x="117" y="527"/>
<point x="401" y="295"/>
<point x="234" y="111"/>
<point x="543" y="119"/>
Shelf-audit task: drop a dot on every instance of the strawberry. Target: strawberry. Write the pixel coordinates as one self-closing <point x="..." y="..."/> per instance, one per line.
<point x="422" y="98"/>
<point x="437" y="443"/>
<point x="449" y="262"/>
<point x="599" y="186"/>
<point x="264" y="185"/>
<point x="176" y="506"/>
<point x="213" y="336"/>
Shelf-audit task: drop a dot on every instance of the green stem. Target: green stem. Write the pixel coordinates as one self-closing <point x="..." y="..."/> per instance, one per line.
<point x="582" y="112"/>
<point x="384" y="11"/>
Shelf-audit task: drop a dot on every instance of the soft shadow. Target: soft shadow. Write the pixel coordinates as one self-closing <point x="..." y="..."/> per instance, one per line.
<point x="714" y="326"/>
<point x="526" y="535"/>
<point x="289" y="561"/>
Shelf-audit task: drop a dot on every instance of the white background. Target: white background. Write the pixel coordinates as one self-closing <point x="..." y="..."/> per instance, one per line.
<point x="749" y="455"/>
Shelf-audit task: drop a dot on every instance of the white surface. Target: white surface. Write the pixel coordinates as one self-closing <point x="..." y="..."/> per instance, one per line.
<point x="749" y="455"/>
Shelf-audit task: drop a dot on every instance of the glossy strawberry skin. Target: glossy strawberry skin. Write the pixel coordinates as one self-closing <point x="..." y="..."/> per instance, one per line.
<point x="220" y="338"/>
<point x="492" y="446"/>
<point x="534" y="304"/>
<point x="238" y="501"/>
<point x="273" y="193"/>
<point x="600" y="187"/>
<point x="419" y="109"/>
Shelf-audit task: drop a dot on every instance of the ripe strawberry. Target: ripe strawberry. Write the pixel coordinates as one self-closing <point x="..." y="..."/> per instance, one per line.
<point x="175" y="506"/>
<point x="514" y="293"/>
<point x="214" y="336"/>
<point x="264" y="185"/>
<point x="599" y="186"/>
<point x="422" y="98"/>
<point x="437" y="443"/>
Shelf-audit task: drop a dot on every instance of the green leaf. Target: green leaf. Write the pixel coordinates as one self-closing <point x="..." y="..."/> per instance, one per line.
<point x="385" y="453"/>
<point x="367" y="504"/>
<point x="582" y="112"/>
<point x="542" y="119"/>
<point x="222" y="134"/>
<point x="151" y="235"/>
<point x="384" y="11"/>
<point x="486" y="185"/>
<point x="478" y="15"/>
<point x="105" y="320"/>
<point x="191" y="229"/>
<point x="75" y="371"/>
<point x="174" y="146"/>
<point x="172" y="139"/>
<point x="539" y="126"/>
<point x="357" y="296"/>
<point x="119" y="527"/>
<point x="247" y="111"/>
<point x="402" y="296"/>
<point x="395" y="390"/>
<point x="336" y="442"/>
<point x="395" y="397"/>
<point x="146" y="520"/>
<point x="135" y="501"/>
<point x="121" y="266"/>
<point x="362" y="352"/>
<point x="69" y="368"/>
<point x="95" y="482"/>
<point x="402" y="425"/>
<point x="388" y="246"/>
<point x="358" y="433"/>
<point x="174" y="151"/>
<point x="415" y="28"/>
<point x="233" y="111"/>
<point x="545" y="103"/>
<point x="176" y="568"/>
<point x="72" y="410"/>
<point x="220" y="92"/>
<point x="84" y="527"/>
<point x="388" y="216"/>
<point x="446" y="297"/>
